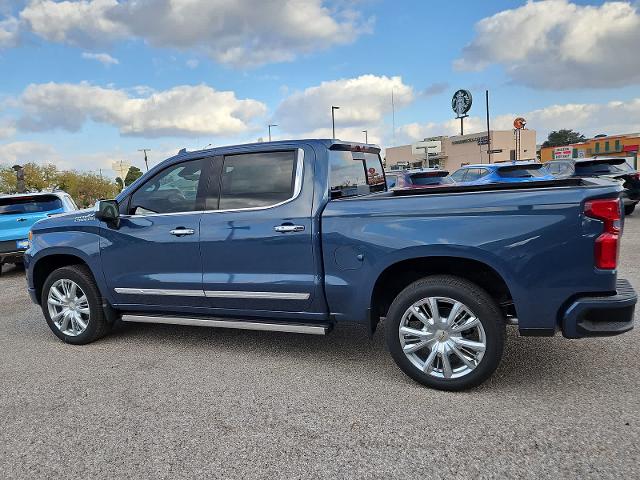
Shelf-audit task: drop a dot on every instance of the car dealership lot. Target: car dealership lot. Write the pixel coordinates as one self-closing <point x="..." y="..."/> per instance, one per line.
<point x="169" y="402"/>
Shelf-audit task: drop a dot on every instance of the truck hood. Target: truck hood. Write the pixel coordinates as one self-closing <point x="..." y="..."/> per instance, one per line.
<point x="66" y="219"/>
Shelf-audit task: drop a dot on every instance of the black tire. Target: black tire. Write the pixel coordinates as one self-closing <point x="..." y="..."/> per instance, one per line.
<point x="97" y="326"/>
<point x="477" y="300"/>
<point x="628" y="209"/>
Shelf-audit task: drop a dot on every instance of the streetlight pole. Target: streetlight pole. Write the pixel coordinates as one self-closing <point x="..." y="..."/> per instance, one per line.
<point x="333" y="120"/>
<point x="271" y="125"/>
<point x="366" y="136"/>
<point x="146" y="160"/>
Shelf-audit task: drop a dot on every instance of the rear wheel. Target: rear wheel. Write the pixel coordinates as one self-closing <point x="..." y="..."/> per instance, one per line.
<point x="72" y="305"/>
<point x="445" y="332"/>
<point x="628" y="209"/>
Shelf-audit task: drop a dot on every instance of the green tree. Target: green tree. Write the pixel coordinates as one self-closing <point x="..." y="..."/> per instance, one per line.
<point x="560" y="138"/>
<point x="133" y="174"/>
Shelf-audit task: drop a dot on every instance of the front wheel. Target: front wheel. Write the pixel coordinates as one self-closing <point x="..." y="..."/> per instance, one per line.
<point x="72" y="305"/>
<point x="445" y="332"/>
<point x="628" y="209"/>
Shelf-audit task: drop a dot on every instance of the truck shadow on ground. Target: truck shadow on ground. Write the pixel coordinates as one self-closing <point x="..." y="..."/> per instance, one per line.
<point x="534" y="362"/>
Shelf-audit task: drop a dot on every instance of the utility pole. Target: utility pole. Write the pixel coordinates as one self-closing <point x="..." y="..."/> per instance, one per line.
<point x="366" y="136"/>
<point x="146" y="161"/>
<point x="486" y="93"/>
<point x="271" y="125"/>
<point x="333" y="120"/>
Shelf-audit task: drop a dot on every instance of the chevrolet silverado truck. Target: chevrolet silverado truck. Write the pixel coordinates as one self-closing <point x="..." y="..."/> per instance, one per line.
<point x="301" y="236"/>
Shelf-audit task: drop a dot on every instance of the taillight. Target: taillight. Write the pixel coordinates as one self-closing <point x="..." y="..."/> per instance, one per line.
<point x="607" y="244"/>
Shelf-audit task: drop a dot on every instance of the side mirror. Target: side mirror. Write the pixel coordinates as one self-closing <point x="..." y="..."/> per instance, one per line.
<point x="108" y="211"/>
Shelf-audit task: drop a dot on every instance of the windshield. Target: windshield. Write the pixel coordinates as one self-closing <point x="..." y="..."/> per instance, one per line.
<point x="603" y="167"/>
<point x="522" y="171"/>
<point x="35" y="204"/>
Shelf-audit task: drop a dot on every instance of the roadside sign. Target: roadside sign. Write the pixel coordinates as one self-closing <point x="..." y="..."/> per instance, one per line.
<point x="562" y="153"/>
<point x="499" y="150"/>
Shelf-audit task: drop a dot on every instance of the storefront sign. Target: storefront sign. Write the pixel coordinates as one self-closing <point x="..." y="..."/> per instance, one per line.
<point x="561" y="153"/>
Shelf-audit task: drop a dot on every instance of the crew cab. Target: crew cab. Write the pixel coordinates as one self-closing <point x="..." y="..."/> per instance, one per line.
<point x="18" y="212"/>
<point x="301" y="236"/>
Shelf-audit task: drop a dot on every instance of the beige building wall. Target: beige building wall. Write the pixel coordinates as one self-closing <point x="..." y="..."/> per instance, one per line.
<point x="470" y="149"/>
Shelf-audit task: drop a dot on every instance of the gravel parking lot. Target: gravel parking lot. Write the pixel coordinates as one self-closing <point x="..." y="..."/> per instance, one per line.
<point x="184" y="402"/>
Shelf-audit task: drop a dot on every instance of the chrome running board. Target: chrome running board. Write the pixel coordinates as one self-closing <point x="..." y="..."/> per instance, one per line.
<point x="312" y="329"/>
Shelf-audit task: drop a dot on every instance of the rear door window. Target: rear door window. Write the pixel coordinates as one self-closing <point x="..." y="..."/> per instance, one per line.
<point x="458" y="175"/>
<point x="31" y="204"/>
<point x="354" y="173"/>
<point x="257" y="179"/>
<point x="474" y="174"/>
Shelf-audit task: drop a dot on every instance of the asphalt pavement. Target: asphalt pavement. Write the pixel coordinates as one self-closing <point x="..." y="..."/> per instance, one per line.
<point x="186" y="402"/>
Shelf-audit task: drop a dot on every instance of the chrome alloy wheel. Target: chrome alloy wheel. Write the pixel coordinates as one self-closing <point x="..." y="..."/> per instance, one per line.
<point x="68" y="307"/>
<point x="442" y="337"/>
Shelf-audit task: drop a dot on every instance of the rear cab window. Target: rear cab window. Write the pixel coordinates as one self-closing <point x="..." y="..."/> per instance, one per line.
<point x="29" y="204"/>
<point x="354" y="173"/>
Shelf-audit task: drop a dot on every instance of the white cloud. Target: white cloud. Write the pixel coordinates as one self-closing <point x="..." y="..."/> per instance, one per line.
<point x="9" y="32"/>
<point x="610" y="118"/>
<point x="363" y="102"/>
<point x="239" y="32"/>
<point x="180" y="111"/>
<point x="556" y="44"/>
<point x="103" y="58"/>
<point x="24" y="152"/>
<point x="192" y="63"/>
<point x="85" y="22"/>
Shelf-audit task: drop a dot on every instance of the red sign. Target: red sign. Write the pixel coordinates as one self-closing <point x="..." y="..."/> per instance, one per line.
<point x="630" y="148"/>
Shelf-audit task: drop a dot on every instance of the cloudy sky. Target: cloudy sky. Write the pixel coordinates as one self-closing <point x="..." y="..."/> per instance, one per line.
<point x="85" y="83"/>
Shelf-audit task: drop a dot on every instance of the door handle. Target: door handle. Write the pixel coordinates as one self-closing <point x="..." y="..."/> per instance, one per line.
<point x="289" y="228"/>
<point x="180" y="231"/>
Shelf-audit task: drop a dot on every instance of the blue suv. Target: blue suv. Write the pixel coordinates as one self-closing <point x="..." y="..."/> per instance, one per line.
<point x="17" y="215"/>
<point x="501" y="173"/>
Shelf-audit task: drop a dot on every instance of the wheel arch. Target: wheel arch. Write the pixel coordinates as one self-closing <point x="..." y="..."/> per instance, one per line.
<point x="47" y="264"/>
<point x="397" y="276"/>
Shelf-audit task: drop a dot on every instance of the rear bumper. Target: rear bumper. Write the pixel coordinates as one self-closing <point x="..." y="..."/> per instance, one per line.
<point x="601" y="316"/>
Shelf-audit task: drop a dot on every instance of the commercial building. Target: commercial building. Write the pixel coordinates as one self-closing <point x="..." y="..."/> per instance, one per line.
<point x="450" y="153"/>
<point x="625" y="145"/>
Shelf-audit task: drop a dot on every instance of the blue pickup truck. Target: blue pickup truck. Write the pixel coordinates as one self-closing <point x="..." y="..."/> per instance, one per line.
<point x="300" y="236"/>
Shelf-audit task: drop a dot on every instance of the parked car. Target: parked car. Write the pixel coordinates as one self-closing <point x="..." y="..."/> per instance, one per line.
<point x="486" y="173"/>
<point x="423" y="178"/>
<point x="614" y="168"/>
<point x="19" y="212"/>
<point x="299" y="236"/>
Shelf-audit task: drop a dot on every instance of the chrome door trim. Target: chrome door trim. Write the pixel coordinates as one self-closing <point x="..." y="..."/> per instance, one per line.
<point x="263" y="295"/>
<point x="160" y="291"/>
<point x="238" y="324"/>
<point x="214" y="293"/>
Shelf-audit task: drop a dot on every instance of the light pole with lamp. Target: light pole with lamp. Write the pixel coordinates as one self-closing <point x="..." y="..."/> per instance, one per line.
<point x="333" y="120"/>
<point x="271" y="125"/>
